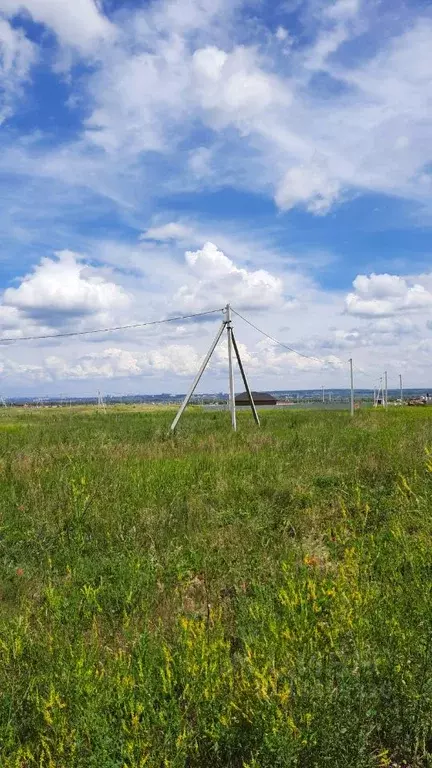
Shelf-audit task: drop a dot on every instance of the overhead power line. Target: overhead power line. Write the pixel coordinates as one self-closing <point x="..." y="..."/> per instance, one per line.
<point x="291" y="349"/>
<point x="365" y="373"/>
<point x="108" y="330"/>
<point x="179" y="318"/>
<point x="281" y="344"/>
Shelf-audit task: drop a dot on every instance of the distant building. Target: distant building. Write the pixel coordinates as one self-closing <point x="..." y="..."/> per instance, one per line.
<point x="259" y="398"/>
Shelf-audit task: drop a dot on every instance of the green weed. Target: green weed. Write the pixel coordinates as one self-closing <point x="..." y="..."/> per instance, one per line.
<point x="250" y="600"/>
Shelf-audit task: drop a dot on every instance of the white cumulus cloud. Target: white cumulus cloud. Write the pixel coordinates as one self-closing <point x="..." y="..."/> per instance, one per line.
<point x="216" y="280"/>
<point x="59" y="291"/>
<point x="273" y="359"/>
<point x="110" y="363"/>
<point x="386" y="295"/>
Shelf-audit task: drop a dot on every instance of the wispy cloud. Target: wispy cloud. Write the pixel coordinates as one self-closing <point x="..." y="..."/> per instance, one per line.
<point x="79" y="24"/>
<point x="17" y="55"/>
<point x="167" y="68"/>
<point x="162" y="125"/>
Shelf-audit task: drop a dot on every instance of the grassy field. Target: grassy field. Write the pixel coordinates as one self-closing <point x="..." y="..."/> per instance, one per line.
<point x="255" y="600"/>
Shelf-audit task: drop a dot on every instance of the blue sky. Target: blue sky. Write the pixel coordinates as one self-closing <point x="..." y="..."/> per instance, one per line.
<point x="166" y="157"/>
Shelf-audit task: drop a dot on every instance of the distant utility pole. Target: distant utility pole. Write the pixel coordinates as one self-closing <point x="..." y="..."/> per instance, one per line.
<point x="380" y="393"/>
<point x="101" y="402"/>
<point x="385" y="390"/>
<point x="323" y="395"/>
<point x="401" y="388"/>
<point x="352" y="385"/>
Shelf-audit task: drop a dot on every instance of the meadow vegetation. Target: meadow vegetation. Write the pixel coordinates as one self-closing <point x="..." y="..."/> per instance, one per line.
<point x="250" y="600"/>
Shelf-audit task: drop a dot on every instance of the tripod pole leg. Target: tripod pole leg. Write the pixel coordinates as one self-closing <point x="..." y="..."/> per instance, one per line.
<point x="198" y="376"/>
<point x="245" y="381"/>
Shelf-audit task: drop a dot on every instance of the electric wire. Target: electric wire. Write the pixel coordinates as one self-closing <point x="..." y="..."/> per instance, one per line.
<point x="291" y="349"/>
<point x="13" y="339"/>
<point x="364" y="373"/>
<point x="131" y="326"/>
<point x="281" y="344"/>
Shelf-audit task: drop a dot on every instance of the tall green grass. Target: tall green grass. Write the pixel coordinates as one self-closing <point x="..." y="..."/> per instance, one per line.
<point x="258" y="599"/>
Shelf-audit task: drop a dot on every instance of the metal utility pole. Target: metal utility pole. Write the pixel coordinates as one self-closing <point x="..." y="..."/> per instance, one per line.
<point x="386" y="390"/>
<point x="228" y="322"/>
<point x="401" y="388"/>
<point x="352" y="386"/>
<point x="232" y="344"/>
